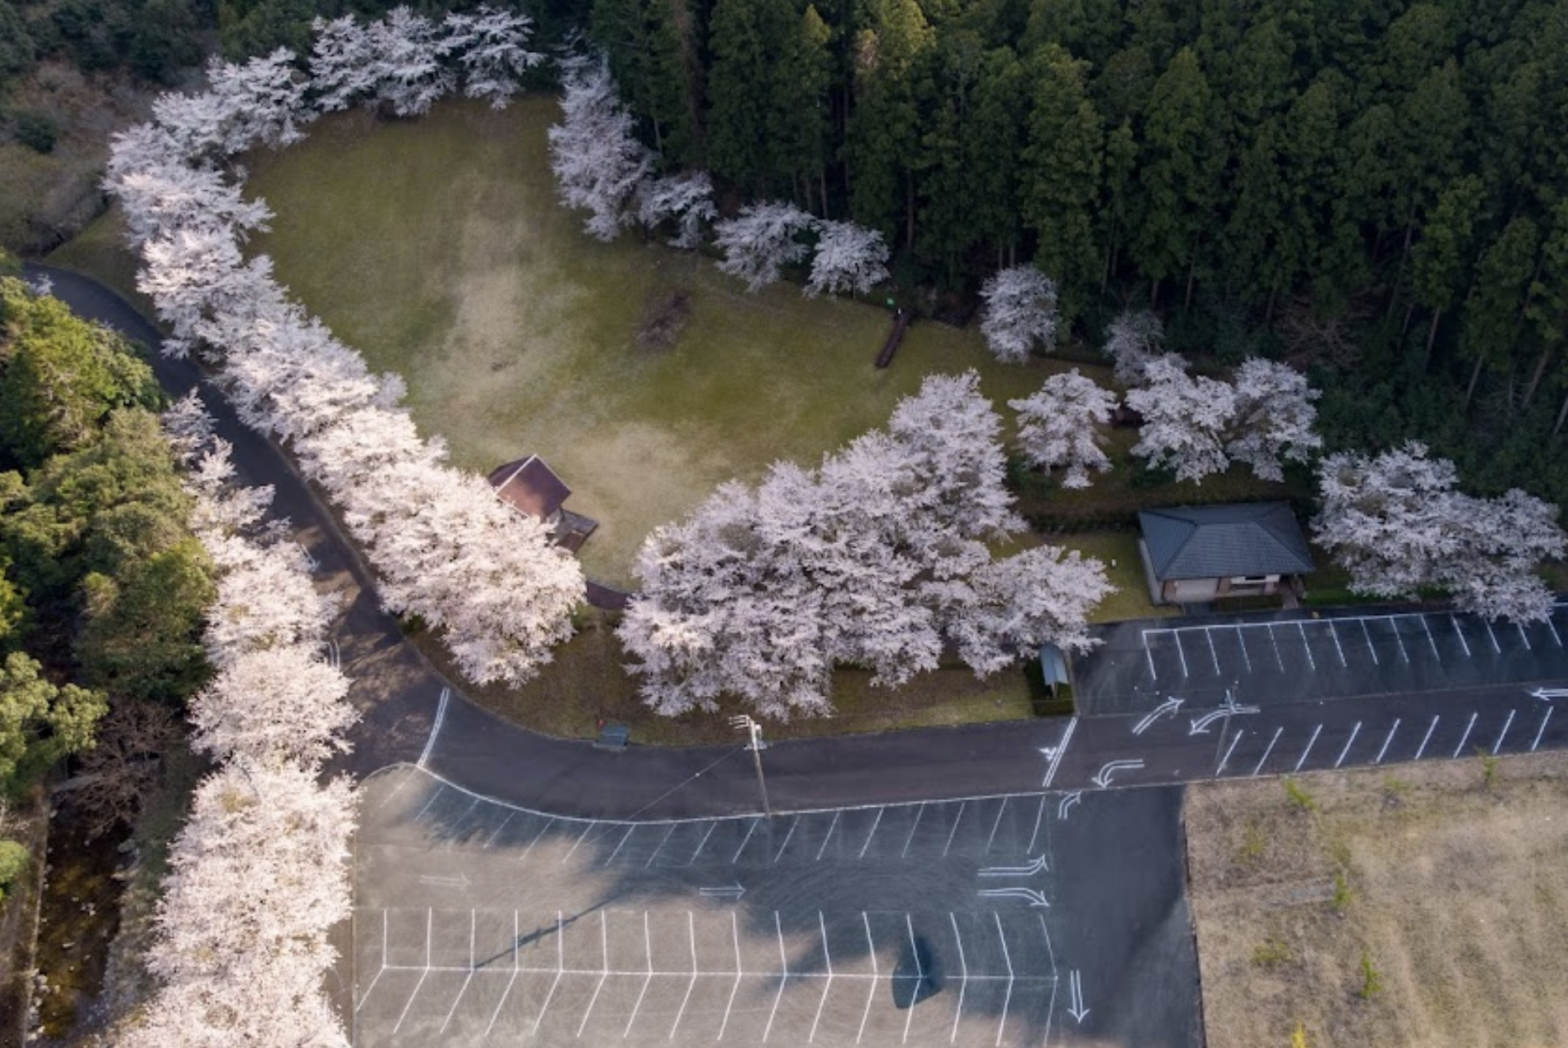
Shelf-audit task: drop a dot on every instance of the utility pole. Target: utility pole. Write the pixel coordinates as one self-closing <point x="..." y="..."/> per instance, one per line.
<point x="745" y="723"/>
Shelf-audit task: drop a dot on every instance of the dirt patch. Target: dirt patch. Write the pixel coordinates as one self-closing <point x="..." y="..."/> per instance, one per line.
<point x="663" y="318"/>
<point x="1420" y="906"/>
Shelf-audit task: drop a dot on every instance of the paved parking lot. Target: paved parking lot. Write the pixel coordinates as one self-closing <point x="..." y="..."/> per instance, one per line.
<point x="923" y="924"/>
<point x="1295" y="657"/>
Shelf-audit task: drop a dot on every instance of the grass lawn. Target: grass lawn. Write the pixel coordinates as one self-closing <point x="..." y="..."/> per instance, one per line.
<point x="1450" y="891"/>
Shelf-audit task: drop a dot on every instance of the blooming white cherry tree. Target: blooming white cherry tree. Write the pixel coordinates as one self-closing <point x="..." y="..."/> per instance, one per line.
<point x="343" y="62"/>
<point x="1020" y="313"/>
<point x="848" y="258"/>
<point x="761" y="240"/>
<point x="1396" y="523"/>
<point x="1058" y="426"/>
<point x="1185" y="419"/>
<point x="1274" y="419"/>
<point x="687" y="198"/>
<point x="492" y="46"/>
<point x="597" y="159"/>
<point x="1132" y="341"/>
<point x="1042" y="595"/>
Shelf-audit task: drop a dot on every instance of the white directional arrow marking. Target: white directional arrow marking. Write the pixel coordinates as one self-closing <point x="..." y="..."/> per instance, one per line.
<point x="1548" y="694"/>
<point x="732" y="892"/>
<point x="1200" y="725"/>
<point x="1036" y="865"/>
<point x="444" y="882"/>
<point x="1170" y="705"/>
<point x="1035" y="898"/>
<point x="1075" y="988"/>
<point x="1067" y="803"/>
<point x="1103" y="778"/>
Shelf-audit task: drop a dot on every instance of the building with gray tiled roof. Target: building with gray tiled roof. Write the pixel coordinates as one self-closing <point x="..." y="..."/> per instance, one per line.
<point x="1201" y="553"/>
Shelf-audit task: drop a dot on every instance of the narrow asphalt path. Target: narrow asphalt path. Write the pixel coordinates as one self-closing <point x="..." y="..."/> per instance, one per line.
<point x="1153" y="744"/>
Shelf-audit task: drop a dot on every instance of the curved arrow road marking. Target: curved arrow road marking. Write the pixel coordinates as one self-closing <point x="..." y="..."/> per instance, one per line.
<point x="1200" y="725"/>
<point x="1103" y="778"/>
<point x="1067" y="803"/>
<point x="1035" y="898"/>
<point x="1170" y="705"/>
<point x="1035" y="866"/>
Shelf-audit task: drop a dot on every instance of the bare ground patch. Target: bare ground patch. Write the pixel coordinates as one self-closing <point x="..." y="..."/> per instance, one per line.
<point x="1417" y="906"/>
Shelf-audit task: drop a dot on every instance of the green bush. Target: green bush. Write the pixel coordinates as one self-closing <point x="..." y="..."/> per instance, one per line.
<point x="37" y="131"/>
<point x="1371" y="981"/>
<point x="13" y="860"/>
<point x="1299" y="796"/>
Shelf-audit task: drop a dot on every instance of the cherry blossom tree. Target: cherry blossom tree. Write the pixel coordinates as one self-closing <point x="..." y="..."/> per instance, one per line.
<point x="1185" y="419"/>
<point x="343" y="62"/>
<point x="409" y="73"/>
<point x="761" y="240"/>
<point x="492" y="46"/>
<point x="848" y="258"/>
<point x="1057" y="426"/>
<point x="1020" y="313"/>
<point x="1042" y="595"/>
<point x="686" y="198"/>
<point x="597" y="159"/>
<point x="1397" y="525"/>
<point x="1132" y="341"/>
<point x="1274" y="419"/>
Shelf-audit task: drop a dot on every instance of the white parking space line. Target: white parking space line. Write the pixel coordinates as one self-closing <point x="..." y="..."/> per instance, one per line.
<point x="560" y="969"/>
<point x="1214" y="655"/>
<point x="744" y="840"/>
<point x="831" y="827"/>
<point x="491" y="839"/>
<point x="954" y="831"/>
<point x="1176" y="634"/>
<point x="996" y="825"/>
<point x="1386" y="741"/>
<point x="874" y="824"/>
<point x="1229" y="750"/>
<point x="1007" y="998"/>
<point x="1367" y="633"/>
<point x="1337" y="646"/>
<point x="1306" y="645"/>
<point x="739" y="972"/>
<point x="920" y="976"/>
<point x="422" y="976"/>
<point x="691" y="930"/>
<point x="1503" y="734"/>
<point x="1430" y="728"/>
<point x="871" y="990"/>
<point x="1310" y="742"/>
<point x="1523" y="637"/>
<point x="1431" y="640"/>
<point x="1148" y="653"/>
<point x="1241" y="642"/>
<point x="783" y="976"/>
<point x="431" y="800"/>
<point x="537" y="838"/>
<point x="573" y="850"/>
<point x="1555" y="635"/>
<point x="624" y="838"/>
<point x="1461" y="635"/>
<point x="1348" y="743"/>
<point x="1268" y="750"/>
<point x="916" y="825"/>
<point x="788" y="834"/>
<point x="1496" y="649"/>
<point x="470" y="978"/>
<point x="1050" y="1010"/>
<point x="963" y="985"/>
<point x="1466" y="736"/>
<point x="1039" y="816"/>
<point x="1399" y="639"/>
<point x="1278" y="658"/>
<point x="604" y="972"/>
<point x="827" y="984"/>
<point x="1541" y="730"/>
<point x="704" y="842"/>
<point x="647" y="945"/>
<point x="662" y="840"/>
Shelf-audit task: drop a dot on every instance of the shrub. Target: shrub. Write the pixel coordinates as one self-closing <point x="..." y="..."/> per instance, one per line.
<point x="1299" y="796"/>
<point x="1342" y="892"/>
<point x="1271" y="952"/>
<point x="37" y="132"/>
<point x="1488" y="768"/>
<point x="1371" y="981"/>
<point x="13" y="860"/>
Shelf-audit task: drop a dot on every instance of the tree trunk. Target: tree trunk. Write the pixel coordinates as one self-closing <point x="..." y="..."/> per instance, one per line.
<point x="822" y="188"/>
<point x="1410" y="311"/>
<point x="1110" y="256"/>
<point x="1475" y="376"/>
<point x="1562" y="416"/>
<point x="1192" y="273"/>
<point x="1431" y="337"/>
<point x="1536" y="375"/>
<point x="1268" y="311"/>
<point x="909" y="211"/>
<point x="1154" y="293"/>
<point x="1399" y="274"/>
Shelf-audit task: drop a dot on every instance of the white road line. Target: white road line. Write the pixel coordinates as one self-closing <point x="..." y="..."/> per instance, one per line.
<point x="827" y="984"/>
<point x="1303" y="759"/>
<point x="831" y="827"/>
<point x="1496" y="649"/>
<point x="402" y="781"/>
<point x="1367" y="633"/>
<point x="491" y="839"/>
<point x="1337" y="646"/>
<point x="1348" y="743"/>
<point x="647" y="945"/>
<point x="1149" y="654"/>
<point x="1466" y="736"/>
<point x="1241" y="642"/>
<point x="874" y="824"/>
<point x="509" y="983"/>
<point x="435" y="728"/>
<point x="1306" y="645"/>
<point x="1430" y="728"/>
<point x="1214" y="655"/>
<point x="431" y="800"/>
<point x="920" y="975"/>
<point x="749" y="831"/>
<point x="1523" y="637"/>
<point x="704" y="842"/>
<point x="573" y="850"/>
<point x="1038" y="817"/>
<point x="1430" y="640"/>
<point x="1386" y="741"/>
<point x="1176" y="636"/>
<point x="1267" y="750"/>
<point x="954" y="831"/>
<point x="871" y="992"/>
<point x="660" y="848"/>
<point x="783" y="976"/>
<point x="963" y="985"/>
<point x="1007" y="998"/>
<point x="1399" y="639"/>
<point x="423" y="975"/>
<point x="691" y="930"/>
<point x="1461" y="635"/>
<point x="1541" y="730"/>
<point x="537" y="838"/>
<point x="1555" y="635"/>
<point x="1228" y="751"/>
<point x="624" y="838"/>
<point x="560" y="968"/>
<point x="1278" y="658"/>
<point x="995" y="826"/>
<point x="362" y="997"/>
<point x="1504" y="733"/>
<point x="604" y="939"/>
<point x="910" y="839"/>
<point x="790" y="833"/>
<point x="739" y="972"/>
<point x="1061" y="751"/>
<point x="1050" y="1011"/>
<point x="464" y="988"/>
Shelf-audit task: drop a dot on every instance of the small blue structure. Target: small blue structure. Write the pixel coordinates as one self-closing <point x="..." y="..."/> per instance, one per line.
<point x="1053" y="666"/>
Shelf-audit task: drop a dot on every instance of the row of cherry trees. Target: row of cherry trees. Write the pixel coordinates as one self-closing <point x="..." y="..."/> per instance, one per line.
<point x="603" y="168"/>
<point x="446" y="550"/>
<point x="878" y="559"/>
<point x="259" y="874"/>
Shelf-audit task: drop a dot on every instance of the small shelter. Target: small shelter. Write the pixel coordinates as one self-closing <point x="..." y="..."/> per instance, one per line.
<point x="1053" y="667"/>
<point x="1202" y="553"/>
<point x="532" y="488"/>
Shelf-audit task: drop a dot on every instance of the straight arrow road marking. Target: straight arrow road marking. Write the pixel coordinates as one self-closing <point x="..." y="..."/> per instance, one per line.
<point x="1035" y="866"/>
<point x="731" y="892"/>
<point x="444" y="882"/>
<point x="1034" y="897"/>
<point x="1548" y="694"/>
<point x="1076" y="1008"/>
